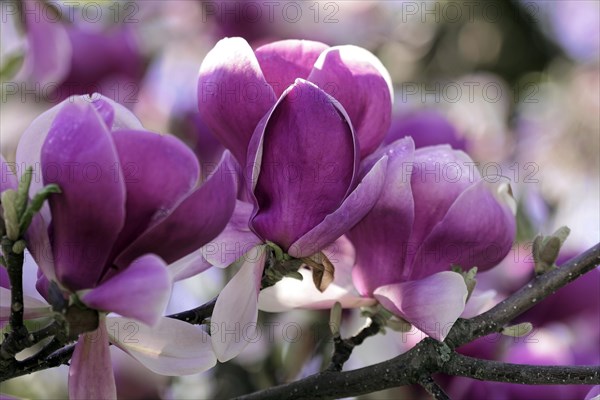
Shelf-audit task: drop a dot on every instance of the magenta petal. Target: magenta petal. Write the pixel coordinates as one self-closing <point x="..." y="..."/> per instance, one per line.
<point x="476" y="231"/>
<point x="432" y="304"/>
<point x="79" y="155"/>
<point x="233" y="94"/>
<point x="158" y="171"/>
<point x="141" y="291"/>
<point x="235" y="240"/>
<point x="382" y="236"/>
<point x="90" y="373"/>
<point x="354" y="207"/>
<point x="301" y="179"/>
<point x="439" y="176"/>
<point x="285" y="60"/>
<point x="358" y="80"/>
<point x="196" y="220"/>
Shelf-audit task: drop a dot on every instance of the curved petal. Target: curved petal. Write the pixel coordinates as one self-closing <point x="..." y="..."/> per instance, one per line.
<point x="432" y="304"/>
<point x="476" y="231"/>
<point x="172" y="347"/>
<point x="79" y="155"/>
<point x="158" y="171"/>
<point x="141" y="291"/>
<point x="188" y="266"/>
<point x="290" y="293"/>
<point x="301" y="179"/>
<point x="235" y="315"/>
<point x="358" y="80"/>
<point x="90" y="372"/>
<point x="285" y="60"/>
<point x="479" y="302"/>
<point x="196" y="220"/>
<point x="352" y="210"/>
<point x="235" y="240"/>
<point x="33" y="308"/>
<point x="233" y="94"/>
<point x="439" y="176"/>
<point x="115" y="115"/>
<point x="381" y="238"/>
<point x="38" y="244"/>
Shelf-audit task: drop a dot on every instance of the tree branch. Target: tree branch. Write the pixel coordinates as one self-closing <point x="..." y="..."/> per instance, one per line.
<point x="430" y="356"/>
<point x="343" y="347"/>
<point x="487" y="370"/>
<point x="433" y="388"/>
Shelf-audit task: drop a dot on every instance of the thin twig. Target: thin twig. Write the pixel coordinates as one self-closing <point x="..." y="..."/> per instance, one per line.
<point x="343" y="347"/>
<point x="433" y="388"/>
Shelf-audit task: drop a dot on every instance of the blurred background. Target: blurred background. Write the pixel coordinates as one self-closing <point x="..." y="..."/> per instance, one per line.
<point x="515" y="84"/>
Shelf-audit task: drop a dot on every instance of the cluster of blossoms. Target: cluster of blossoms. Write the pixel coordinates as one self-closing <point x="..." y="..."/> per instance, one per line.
<point x="308" y="176"/>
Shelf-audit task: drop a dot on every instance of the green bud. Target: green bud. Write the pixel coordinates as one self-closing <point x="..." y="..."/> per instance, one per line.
<point x="399" y="324"/>
<point x="36" y="204"/>
<point x="11" y="218"/>
<point x="335" y="319"/>
<point x="562" y="233"/>
<point x="23" y="191"/>
<point x="19" y="246"/>
<point x="518" y="330"/>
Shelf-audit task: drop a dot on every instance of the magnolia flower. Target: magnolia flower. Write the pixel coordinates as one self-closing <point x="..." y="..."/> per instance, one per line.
<point x="238" y="86"/>
<point x="437" y="213"/>
<point x="129" y="206"/>
<point x="434" y="211"/>
<point x="307" y="191"/>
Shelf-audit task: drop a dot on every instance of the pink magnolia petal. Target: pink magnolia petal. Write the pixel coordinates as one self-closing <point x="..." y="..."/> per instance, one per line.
<point x="358" y="80"/>
<point x="91" y="374"/>
<point x="188" y="266"/>
<point x="233" y="94"/>
<point x="283" y="61"/>
<point x="235" y="240"/>
<point x="141" y="291"/>
<point x="432" y="304"/>
<point x="172" y="347"/>
<point x="352" y="210"/>
<point x="197" y="219"/>
<point x="235" y="315"/>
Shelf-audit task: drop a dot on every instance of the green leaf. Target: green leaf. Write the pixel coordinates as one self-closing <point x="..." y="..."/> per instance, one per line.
<point x="36" y="204"/>
<point x="11" y="218"/>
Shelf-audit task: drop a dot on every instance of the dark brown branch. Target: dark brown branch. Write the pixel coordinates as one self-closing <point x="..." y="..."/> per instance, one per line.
<point x="430" y="356"/>
<point x="487" y="370"/>
<point x="198" y="315"/>
<point x="433" y="388"/>
<point x="343" y="347"/>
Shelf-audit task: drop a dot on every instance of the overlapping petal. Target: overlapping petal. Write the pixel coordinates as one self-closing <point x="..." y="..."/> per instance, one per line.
<point x="382" y="237"/>
<point x="196" y="220"/>
<point x="90" y="372"/>
<point x="79" y="155"/>
<point x="234" y="319"/>
<point x="140" y="291"/>
<point x="360" y="82"/>
<point x="172" y="347"/>
<point x="432" y="304"/>
<point x="301" y="179"/>
<point x="283" y="61"/>
<point x="233" y="94"/>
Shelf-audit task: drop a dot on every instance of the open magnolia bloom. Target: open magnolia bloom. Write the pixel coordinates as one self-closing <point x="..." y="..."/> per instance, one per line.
<point x="129" y="205"/>
<point x="238" y="86"/>
<point x="307" y="189"/>
<point x="435" y="211"/>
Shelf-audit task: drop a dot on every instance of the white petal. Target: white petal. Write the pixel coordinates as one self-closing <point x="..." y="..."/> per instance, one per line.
<point x="236" y="312"/>
<point x="34" y="308"/>
<point x="172" y="347"/>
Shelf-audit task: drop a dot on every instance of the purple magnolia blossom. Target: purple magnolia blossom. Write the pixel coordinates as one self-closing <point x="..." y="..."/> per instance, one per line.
<point x="435" y="211"/>
<point x="238" y="86"/>
<point x="307" y="189"/>
<point x="130" y="205"/>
